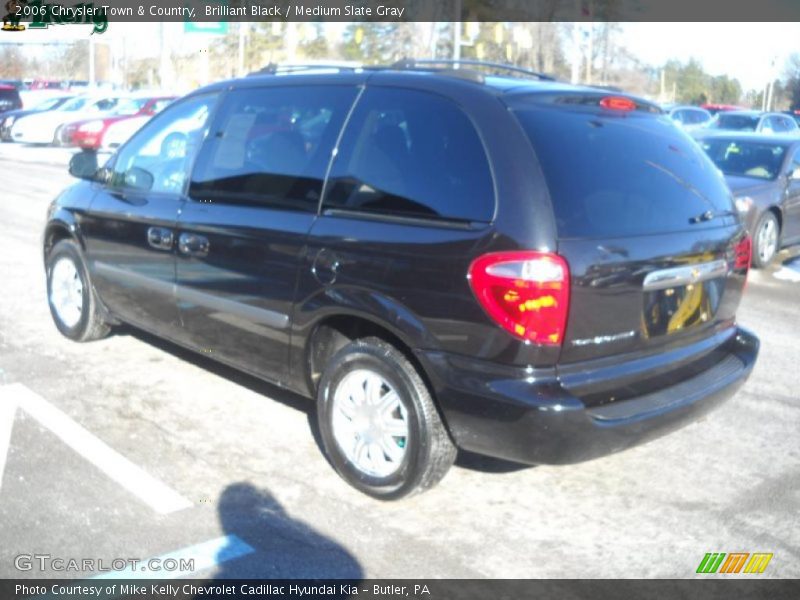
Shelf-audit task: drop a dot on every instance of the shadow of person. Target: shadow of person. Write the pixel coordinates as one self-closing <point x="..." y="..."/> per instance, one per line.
<point x="264" y="542"/>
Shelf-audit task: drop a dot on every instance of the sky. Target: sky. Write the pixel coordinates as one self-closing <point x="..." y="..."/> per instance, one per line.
<point x="745" y="51"/>
<point x="741" y="50"/>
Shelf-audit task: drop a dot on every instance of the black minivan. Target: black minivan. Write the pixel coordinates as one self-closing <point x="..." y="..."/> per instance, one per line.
<point x="444" y="259"/>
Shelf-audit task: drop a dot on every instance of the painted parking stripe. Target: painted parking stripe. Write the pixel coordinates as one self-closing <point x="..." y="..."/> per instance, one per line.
<point x="205" y="555"/>
<point x="138" y="482"/>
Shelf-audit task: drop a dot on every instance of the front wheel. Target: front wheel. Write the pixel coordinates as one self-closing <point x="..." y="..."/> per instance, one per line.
<point x="73" y="304"/>
<point x="765" y="240"/>
<point x="379" y="426"/>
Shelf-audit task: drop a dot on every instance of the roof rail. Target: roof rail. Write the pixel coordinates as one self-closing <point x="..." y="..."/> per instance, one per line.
<point x="277" y="69"/>
<point x="411" y="63"/>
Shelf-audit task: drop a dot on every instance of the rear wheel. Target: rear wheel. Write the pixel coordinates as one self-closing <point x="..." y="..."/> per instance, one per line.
<point x="765" y="240"/>
<point x="379" y="426"/>
<point x="73" y="304"/>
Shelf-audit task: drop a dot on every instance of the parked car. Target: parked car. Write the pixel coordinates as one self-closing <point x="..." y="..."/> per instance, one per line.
<point x="44" y="127"/>
<point x="7" y="119"/>
<point x="17" y="84"/>
<point x="690" y="117"/>
<point x="795" y="114"/>
<point x="90" y="133"/>
<point x="764" y="174"/>
<point x="716" y="108"/>
<point x="9" y="99"/>
<point x="758" y="122"/>
<point x="520" y="268"/>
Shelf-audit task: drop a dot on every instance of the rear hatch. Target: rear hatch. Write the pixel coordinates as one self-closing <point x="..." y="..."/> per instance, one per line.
<point x="644" y="220"/>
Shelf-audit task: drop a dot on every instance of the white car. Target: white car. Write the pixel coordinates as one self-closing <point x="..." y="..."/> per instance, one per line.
<point x="690" y="117"/>
<point x="42" y="128"/>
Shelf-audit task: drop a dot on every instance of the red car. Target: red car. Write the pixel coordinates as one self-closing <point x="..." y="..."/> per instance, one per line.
<point x="89" y="132"/>
<point x="715" y="108"/>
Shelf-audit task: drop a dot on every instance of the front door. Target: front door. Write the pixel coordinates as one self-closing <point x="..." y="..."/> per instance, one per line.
<point x="130" y="228"/>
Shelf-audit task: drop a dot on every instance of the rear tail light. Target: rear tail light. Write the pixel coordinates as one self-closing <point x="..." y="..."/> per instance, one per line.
<point x="742" y="257"/>
<point x="526" y="293"/>
<point x="742" y="253"/>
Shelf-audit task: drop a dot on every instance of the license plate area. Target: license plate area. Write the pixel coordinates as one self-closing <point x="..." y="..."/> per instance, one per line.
<point x="681" y="298"/>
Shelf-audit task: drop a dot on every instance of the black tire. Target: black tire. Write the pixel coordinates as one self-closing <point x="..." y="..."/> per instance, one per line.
<point x="91" y="325"/>
<point x="428" y="453"/>
<point x="768" y="219"/>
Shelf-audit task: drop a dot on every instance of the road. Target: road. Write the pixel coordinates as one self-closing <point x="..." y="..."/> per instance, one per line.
<point x="242" y="462"/>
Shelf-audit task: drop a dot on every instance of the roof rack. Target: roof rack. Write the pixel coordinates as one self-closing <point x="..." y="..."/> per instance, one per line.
<point x="411" y="63"/>
<point x="278" y="69"/>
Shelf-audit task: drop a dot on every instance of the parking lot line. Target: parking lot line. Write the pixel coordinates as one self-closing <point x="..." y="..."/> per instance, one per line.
<point x="150" y="490"/>
<point x="203" y="556"/>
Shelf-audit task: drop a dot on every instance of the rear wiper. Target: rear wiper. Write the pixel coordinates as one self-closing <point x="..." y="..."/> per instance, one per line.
<point x="709" y="215"/>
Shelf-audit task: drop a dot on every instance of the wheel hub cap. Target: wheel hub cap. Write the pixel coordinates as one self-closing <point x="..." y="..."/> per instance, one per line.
<point x="370" y="423"/>
<point x="767" y="240"/>
<point x="66" y="292"/>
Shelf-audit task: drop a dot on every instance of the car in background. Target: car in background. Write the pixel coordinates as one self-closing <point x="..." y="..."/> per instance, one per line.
<point x="9" y="99"/>
<point x="763" y="172"/>
<point x="7" y="119"/>
<point x="44" y="128"/>
<point x="795" y="114"/>
<point x="15" y="83"/>
<point x="690" y="117"/>
<point x="90" y="133"/>
<point x="716" y="108"/>
<point x="756" y="122"/>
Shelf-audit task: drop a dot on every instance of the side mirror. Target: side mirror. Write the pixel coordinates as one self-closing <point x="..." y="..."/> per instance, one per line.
<point x="83" y="165"/>
<point x="139" y="179"/>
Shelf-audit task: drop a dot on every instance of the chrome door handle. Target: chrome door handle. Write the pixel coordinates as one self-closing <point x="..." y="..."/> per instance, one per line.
<point x="160" y="238"/>
<point x="192" y="244"/>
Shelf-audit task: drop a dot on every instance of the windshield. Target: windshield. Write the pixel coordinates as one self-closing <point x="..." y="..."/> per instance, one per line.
<point x="49" y="103"/>
<point x="74" y="104"/>
<point x="736" y="122"/>
<point x="746" y="159"/>
<point x="130" y="106"/>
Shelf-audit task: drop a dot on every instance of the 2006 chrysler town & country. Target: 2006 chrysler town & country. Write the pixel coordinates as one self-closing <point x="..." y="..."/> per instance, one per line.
<point x="516" y="267"/>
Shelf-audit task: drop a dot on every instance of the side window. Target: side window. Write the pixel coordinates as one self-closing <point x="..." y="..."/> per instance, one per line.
<point x="272" y="146"/>
<point x="159" y="156"/>
<point x="768" y="125"/>
<point x="411" y="153"/>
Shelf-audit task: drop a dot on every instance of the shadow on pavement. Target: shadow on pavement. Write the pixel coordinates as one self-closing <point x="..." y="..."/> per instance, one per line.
<point x="465" y="460"/>
<point x="283" y="548"/>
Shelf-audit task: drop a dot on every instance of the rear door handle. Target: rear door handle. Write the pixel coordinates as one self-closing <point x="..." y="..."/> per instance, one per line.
<point x="192" y="244"/>
<point x="160" y="238"/>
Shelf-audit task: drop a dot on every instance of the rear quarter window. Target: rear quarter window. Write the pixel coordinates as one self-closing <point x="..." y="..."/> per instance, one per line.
<point x="616" y="175"/>
<point x="414" y="154"/>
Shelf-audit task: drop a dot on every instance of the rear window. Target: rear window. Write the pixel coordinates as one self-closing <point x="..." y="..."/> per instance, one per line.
<point x="614" y="175"/>
<point x="736" y="122"/>
<point x="9" y="99"/>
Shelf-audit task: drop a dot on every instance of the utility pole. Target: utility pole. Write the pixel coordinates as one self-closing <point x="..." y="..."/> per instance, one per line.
<point x="91" y="62"/>
<point x="457" y="32"/>
<point x="242" y="35"/>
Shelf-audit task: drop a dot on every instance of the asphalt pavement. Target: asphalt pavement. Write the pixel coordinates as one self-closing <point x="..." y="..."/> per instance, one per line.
<point x="131" y="447"/>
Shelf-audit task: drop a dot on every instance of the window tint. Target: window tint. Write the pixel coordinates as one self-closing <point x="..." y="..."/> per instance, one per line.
<point x="746" y="159"/>
<point x="414" y="154"/>
<point x="612" y="176"/>
<point x="159" y="156"/>
<point x="695" y="117"/>
<point x="737" y="122"/>
<point x="272" y="145"/>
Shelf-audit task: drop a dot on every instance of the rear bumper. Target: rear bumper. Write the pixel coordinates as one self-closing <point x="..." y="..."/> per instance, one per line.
<point x="529" y="416"/>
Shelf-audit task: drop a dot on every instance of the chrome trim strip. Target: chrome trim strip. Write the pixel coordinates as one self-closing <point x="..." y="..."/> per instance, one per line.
<point x="685" y="275"/>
